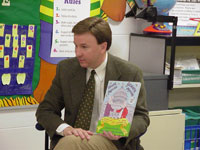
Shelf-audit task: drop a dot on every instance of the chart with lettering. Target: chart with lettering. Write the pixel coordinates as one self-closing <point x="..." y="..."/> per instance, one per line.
<point x="188" y="13"/>
<point x="17" y="53"/>
<point x="66" y="14"/>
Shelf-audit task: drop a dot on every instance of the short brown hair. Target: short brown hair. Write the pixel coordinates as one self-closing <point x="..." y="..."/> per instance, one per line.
<point x="97" y="27"/>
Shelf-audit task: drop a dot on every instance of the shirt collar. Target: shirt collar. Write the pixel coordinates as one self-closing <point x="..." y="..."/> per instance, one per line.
<point x="100" y="70"/>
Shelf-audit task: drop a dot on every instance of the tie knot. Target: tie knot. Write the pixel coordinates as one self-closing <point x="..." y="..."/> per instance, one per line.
<point x="93" y="72"/>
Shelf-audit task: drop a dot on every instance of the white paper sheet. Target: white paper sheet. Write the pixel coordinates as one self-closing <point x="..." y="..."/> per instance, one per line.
<point x="66" y="14"/>
<point x="184" y="11"/>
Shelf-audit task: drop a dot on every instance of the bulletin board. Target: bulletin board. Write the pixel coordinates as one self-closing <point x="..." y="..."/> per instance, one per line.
<point x="17" y="55"/>
<point x="24" y="16"/>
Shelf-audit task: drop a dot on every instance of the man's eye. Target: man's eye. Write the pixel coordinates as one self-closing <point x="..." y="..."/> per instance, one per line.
<point x="84" y="46"/>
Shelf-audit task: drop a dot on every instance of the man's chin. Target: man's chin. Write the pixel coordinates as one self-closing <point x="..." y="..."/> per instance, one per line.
<point x="83" y="65"/>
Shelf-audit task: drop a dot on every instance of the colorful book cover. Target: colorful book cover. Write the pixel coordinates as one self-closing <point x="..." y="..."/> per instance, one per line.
<point x="118" y="107"/>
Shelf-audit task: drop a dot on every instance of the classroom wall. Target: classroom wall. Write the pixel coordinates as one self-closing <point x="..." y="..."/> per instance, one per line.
<point x="17" y="129"/>
<point x="121" y="34"/>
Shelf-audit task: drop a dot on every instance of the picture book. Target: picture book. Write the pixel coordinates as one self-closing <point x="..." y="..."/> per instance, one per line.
<point x="118" y="107"/>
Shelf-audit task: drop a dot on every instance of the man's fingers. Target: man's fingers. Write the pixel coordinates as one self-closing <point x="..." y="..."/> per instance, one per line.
<point x="68" y="131"/>
<point x="83" y="134"/>
<point x="87" y="135"/>
<point x="110" y="136"/>
<point x="114" y="137"/>
<point x="90" y="133"/>
<point x="75" y="132"/>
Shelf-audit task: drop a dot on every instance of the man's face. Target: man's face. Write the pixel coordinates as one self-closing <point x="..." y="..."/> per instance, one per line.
<point x="88" y="52"/>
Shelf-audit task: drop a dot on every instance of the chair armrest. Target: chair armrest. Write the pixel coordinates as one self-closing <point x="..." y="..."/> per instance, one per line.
<point x="39" y="127"/>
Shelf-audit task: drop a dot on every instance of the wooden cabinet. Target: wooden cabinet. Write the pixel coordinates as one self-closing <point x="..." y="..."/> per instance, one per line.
<point x="166" y="131"/>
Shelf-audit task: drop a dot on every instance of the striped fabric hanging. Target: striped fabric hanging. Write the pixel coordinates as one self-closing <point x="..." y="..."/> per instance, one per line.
<point x="131" y="3"/>
<point x="46" y="10"/>
<point x="95" y="9"/>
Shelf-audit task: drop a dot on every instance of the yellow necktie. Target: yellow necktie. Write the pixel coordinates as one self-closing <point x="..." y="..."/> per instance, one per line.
<point x="85" y="110"/>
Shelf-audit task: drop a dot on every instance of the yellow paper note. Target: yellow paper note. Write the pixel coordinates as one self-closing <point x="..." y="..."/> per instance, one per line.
<point x="2" y="27"/>
<point x="15" y="29"/>
<point x="21" y="61"/>
<point x="15" y="40"/>
<point x="197" y="31"/>
<point x="31" y="30"/>
<point x="6" y="3"/>
<point x="21" y="78"/>
<point x="6" y="78"/>
<point x="1" y="51"/>
<point x="23" y="40"/>
<point x="6" y="61"/>
<point x="29" y="51"/>
<point x="15" y="51"/>
<point x="7" y="40"/>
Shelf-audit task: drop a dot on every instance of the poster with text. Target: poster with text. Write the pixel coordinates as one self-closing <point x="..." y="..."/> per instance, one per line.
<point x="188" y="13"/>
<point x="66" y="14"/>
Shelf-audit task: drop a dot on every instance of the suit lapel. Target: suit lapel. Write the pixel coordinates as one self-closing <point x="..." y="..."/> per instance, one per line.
<point x="112" y="71"/>
<point x="77" y="84"/>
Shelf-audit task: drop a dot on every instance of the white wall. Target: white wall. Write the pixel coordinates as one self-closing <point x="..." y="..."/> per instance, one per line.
<point x="17" y="129"/>
<point x="121" y="32"/>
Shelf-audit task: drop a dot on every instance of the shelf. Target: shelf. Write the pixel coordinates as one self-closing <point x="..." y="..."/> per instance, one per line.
<point x="186" y="41"/>
<point x="186" y="86"/>
<point x="180" y="40"/>
<point x="16" y="108"/>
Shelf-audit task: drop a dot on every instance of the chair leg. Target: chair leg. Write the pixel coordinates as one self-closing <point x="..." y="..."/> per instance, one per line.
<point x="46" y="141"/>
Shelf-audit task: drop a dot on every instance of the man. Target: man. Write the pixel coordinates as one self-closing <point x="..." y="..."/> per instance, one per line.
<point x="92" y="39"/>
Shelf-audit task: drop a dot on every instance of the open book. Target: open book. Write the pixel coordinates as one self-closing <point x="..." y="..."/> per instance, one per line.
<point x="118" y="108"/>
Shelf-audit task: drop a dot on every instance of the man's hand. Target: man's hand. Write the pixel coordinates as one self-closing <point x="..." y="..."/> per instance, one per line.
<point x="110" y="136"/>
<point x="83" y="134"/>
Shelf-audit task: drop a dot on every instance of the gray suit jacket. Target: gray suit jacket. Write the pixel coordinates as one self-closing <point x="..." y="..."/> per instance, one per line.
<point x="66" y="91"/>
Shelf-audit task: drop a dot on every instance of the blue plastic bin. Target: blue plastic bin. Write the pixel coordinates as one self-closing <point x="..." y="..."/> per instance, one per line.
<point x="192" y="137"/>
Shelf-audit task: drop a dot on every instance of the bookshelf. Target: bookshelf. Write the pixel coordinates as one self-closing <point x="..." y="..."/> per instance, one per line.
<point x="150" y="53"/>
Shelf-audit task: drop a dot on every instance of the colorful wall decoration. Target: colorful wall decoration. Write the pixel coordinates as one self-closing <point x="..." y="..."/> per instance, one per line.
<point x="17" y="55"/>
<point x="18" y="18"/>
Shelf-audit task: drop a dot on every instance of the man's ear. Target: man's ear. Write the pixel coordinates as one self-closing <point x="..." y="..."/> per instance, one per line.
<point x="104" y="46"/>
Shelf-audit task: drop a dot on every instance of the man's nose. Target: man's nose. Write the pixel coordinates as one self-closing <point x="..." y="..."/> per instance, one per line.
<point x="78" y="52"/>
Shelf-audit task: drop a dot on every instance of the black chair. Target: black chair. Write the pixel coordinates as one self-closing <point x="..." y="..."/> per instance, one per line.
<point x="40" y="128"/>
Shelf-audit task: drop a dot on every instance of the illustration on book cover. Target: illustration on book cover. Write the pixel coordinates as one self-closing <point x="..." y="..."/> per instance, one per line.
<point x="118" y="107"/>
